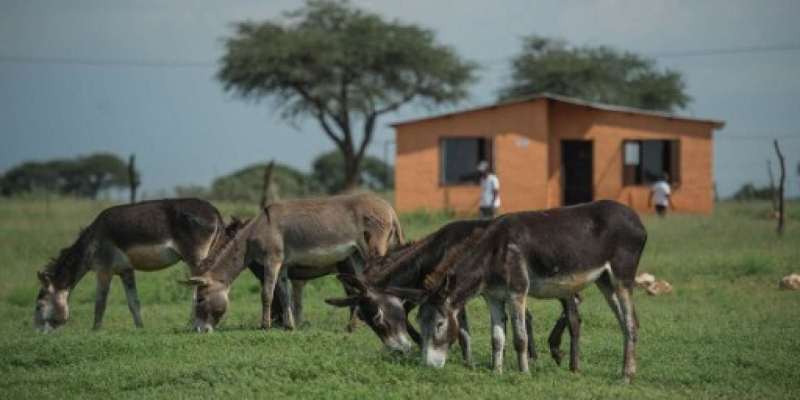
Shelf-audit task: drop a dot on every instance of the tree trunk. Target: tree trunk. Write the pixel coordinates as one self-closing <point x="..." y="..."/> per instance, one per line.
<point x="352" y="171"/>
<point x="780" y="188"/>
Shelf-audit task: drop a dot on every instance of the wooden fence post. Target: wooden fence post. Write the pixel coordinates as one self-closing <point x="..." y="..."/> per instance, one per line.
<point x="781" y="215"/>
<point x="133" y="177"/>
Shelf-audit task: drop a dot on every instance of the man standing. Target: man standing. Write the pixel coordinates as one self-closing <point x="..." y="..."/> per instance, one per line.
<point x="490" y="191"/>
<point x="659" y="195"/>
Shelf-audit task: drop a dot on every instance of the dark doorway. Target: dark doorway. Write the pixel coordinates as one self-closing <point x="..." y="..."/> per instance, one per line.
<point x="576" y="162"/>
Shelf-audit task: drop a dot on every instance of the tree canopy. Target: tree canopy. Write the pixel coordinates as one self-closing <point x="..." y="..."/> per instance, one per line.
<point x="84" y="176"/>
<point x="600" y="74"/>
<point x="327" y="173"/>
<point x="247" y="183"/>
<point x="344" y="67"/>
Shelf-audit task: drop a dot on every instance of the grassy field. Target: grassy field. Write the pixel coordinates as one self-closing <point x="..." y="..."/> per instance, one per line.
<point x="726" y="331"/>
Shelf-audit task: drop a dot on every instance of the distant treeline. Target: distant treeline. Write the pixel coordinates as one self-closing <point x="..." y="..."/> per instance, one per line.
<point x="326" y="177"/>
<point x="84" y="176"/>
<point x="87" y="176"/>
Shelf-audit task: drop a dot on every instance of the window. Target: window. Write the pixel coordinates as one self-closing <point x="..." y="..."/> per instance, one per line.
<point x="644" y="161"/>
<point x="460" y="158"/>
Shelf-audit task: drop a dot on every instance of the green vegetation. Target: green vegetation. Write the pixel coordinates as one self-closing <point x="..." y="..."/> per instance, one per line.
<point x="726" y="332"/>
<point x="84" y="176"/>
<point x="594" y="73"/>
<point x="343" y="67"/>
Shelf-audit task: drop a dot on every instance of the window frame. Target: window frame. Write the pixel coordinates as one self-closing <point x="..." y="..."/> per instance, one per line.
<point x="671" y="159"/>
<point x="489" y="153"/>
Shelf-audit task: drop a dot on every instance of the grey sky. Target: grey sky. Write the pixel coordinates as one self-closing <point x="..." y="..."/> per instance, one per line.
<point x="100" y="90"/>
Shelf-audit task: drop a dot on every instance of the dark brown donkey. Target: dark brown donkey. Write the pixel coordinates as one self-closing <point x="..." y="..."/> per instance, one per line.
<point x="547" y="254"/>
<point x="385" y="293"/>
<point x="312" y="233"/>
<point x="146" y="236"/>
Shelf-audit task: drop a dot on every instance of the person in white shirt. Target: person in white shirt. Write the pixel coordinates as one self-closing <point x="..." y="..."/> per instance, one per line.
<point x="490" y="191"/>
<point x="660" y="195"/>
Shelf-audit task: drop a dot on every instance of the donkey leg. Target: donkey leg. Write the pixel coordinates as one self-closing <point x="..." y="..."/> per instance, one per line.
<point x="498" y="316"/>
<point x="613" y="300"/>
<point x="529" y="328"/>
<point x="103" y="286"/>
<point x="276" y="314"/>
<point x="625" y="295"/>
<point x="297" y="300"/>
<point x="129" y="282"/>
<point x="272" y="273"/>
<point x="574" y="333"/>
<point x="464" y="338"/>
<point x="349" y="267"/>
<point x="554" y="340"/>
<point x="518" y="310"/>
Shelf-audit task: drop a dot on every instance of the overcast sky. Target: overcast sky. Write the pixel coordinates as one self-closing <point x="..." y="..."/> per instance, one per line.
<point x="82" y="76"/>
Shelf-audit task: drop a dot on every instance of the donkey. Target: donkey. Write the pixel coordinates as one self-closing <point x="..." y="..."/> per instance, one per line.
<point x="145" y="236"/>
<point x="547" y="254"/>
<point x="312" y="233"/>
<point x="383" y="292"/>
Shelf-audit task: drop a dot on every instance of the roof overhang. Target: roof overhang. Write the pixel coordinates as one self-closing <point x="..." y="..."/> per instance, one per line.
<point x="717" y="124"/>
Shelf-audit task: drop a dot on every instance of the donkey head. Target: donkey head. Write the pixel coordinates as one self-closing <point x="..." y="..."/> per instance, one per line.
<point x="210" y="302"/>
<point x="381" y="309"/>
<point x="52" y="309"/>
<point x="438" y="323"/>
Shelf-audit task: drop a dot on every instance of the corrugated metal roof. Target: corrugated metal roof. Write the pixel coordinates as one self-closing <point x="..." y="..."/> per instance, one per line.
<point x="570" y="100"/>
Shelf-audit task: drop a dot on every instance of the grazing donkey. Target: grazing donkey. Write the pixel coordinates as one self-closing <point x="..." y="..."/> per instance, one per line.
<point x="547" y="254"/>
<point x="384" y="294"/>
<point x="312" y="233"/>
<point x="146" y="236"/>
<point x="379" y="294"/>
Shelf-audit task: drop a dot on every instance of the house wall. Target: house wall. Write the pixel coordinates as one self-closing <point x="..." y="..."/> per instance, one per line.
<point x="520" y="158"/>
<point x="608" y="130"/>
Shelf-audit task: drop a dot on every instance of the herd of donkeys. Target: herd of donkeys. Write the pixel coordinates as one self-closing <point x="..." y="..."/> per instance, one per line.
<point x="550" y="254"/>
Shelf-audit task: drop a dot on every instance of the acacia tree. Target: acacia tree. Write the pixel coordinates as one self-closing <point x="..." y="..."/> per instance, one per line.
<point x="599" y="74"/>
<point x="344" y="67"/>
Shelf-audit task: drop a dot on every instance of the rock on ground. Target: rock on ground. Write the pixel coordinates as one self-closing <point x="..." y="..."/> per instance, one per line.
<point x="659" y="287"/>
<point x="644" y="280"/>
<point x="790" y="282"/>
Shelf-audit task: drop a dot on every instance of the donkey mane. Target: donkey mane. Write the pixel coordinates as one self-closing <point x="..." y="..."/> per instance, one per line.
<point x="453" y="257"/>
<point x="66" y="267"/>
<point x="407" y="259"/>
<point x="223" y="242"/>
<point x="460" y="274"/>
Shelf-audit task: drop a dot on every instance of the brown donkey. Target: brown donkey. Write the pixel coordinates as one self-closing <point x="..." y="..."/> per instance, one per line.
<point x="146" y="236"/>
<point x="547" y="254"/>
<point x="313" y="233"/>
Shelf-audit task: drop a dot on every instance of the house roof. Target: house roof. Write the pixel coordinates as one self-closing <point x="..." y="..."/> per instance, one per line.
<point x="569" y="100"/>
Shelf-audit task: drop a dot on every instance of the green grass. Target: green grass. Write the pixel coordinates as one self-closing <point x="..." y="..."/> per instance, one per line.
<point x="726" y="332"/>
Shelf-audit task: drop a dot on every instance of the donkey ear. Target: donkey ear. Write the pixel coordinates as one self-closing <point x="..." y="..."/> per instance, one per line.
<point x="44" y="278"/>
<point x="198" y="281"/>
<point x="412" y="295"/>
<point x="352" y="281"/>
<point x="343" y="302"/>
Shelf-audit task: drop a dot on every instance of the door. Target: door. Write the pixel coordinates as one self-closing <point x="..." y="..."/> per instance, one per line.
<point x="576" y="164"/>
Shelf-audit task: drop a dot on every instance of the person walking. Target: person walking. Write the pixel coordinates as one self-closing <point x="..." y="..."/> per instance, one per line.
<point x="660" y="195"/>
<point x="490" y="191"/>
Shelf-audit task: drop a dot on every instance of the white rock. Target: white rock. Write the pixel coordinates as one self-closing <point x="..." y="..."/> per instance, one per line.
<point x="790" y="282"/>
<point x="644" y="280"/>
<point x="659" y="287"/>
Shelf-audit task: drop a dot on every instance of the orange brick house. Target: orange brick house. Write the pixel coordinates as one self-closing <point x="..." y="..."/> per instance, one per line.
<point x="549" y="151"/>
